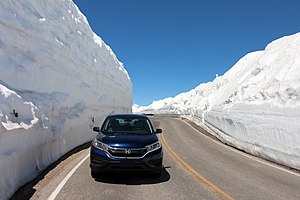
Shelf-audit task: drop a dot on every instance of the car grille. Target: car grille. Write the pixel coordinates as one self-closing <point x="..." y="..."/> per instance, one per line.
<point x="127" y="152"/>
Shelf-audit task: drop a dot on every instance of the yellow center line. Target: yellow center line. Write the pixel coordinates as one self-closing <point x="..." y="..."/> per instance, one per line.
<point x="189" y="172"/>
<point x="204" y="182"/>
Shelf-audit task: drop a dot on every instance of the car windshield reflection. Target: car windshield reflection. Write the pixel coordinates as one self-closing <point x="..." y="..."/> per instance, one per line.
<point x="119" y="125"/>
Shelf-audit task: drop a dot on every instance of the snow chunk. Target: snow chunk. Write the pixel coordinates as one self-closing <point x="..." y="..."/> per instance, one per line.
<point x="15" y="113"/>
<point x="42" y="19"/>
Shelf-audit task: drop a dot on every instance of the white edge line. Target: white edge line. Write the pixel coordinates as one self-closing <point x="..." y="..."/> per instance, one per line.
<point x="63" y="182"/>
<point x="245" y="154"/>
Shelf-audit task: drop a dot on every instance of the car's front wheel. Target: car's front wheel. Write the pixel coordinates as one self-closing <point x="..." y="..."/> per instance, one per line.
<point x="94" y="174"/>
<point x="157" y="174"/>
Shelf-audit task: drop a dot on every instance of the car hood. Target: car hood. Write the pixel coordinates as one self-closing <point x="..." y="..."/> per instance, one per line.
<point x="127" y="140"/>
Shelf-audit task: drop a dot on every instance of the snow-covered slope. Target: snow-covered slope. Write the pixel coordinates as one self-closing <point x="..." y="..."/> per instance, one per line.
<point x="57" y="78"/>
<point x="255" y="106"/>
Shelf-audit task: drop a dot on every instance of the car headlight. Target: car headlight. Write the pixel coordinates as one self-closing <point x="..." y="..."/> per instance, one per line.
<point x="100" y="145"/>
<point x="154" y="146"/>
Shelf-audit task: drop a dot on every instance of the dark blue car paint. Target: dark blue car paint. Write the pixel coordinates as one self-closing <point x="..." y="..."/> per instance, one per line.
<point x="127" y="140"/>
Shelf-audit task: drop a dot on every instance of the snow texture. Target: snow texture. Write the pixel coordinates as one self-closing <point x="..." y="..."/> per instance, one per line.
<point x="57" y="80"/>
<point x="255" y="106"/>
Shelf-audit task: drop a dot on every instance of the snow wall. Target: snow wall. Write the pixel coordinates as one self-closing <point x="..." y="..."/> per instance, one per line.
<point x="255" y="106"/>
<point x="57" y="80"/>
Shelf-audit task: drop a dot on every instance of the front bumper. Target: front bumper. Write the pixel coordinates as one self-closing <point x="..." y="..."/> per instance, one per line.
<point x="102" y="161"/>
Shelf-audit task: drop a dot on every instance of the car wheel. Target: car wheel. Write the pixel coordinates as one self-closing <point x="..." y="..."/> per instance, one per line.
<point x="157" y="174"/>
<point x="94" y="174"/>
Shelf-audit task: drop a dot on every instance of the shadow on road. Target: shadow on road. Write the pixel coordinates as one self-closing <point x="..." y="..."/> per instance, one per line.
<point x="132" y="178"/>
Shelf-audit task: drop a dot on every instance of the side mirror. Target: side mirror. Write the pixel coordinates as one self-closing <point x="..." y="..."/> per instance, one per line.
<point x="158" y="130"/>
<point x="96" y="129"/>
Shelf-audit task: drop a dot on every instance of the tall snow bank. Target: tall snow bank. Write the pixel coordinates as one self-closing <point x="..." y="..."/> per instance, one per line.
<point x="255" y="106"/>
<point x="57" y="79"/>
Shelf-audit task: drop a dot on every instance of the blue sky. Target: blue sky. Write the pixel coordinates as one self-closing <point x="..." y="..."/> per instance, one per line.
<point x="171" y="46"/>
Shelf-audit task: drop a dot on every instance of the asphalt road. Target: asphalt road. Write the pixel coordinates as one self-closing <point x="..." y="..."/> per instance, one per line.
<point x="196" y="167"/>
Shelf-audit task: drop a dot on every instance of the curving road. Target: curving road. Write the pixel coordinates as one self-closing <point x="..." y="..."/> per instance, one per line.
<point x="196" y="167"/>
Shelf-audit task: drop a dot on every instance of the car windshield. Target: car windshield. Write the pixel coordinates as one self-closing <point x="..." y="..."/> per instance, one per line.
<point x="127" y="125"/>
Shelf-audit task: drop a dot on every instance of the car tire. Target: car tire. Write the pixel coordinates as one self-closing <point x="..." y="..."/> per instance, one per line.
<point x="94" y="174"/>
<point x="157" y="174"/>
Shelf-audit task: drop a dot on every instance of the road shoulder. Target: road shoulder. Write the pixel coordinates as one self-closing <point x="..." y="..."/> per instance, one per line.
<point x="46" y="182"/>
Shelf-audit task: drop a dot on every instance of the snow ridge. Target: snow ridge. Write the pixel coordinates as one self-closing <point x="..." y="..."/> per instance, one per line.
<point x="255" y="106"/>
<point x="57" y="80"/>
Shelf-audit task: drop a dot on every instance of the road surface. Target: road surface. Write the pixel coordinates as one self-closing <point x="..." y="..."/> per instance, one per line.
<point x="195" y="167"/>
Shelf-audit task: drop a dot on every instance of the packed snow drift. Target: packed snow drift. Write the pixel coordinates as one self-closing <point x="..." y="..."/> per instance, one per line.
<point x="57" y="79"/>
<point x="255" y="106"/>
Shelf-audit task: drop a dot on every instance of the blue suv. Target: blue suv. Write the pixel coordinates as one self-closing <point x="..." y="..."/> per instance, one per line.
<point x="126" y="142"/>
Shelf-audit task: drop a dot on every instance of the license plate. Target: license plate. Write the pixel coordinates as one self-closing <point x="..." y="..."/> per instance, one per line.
<point x="127" y="163"/>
